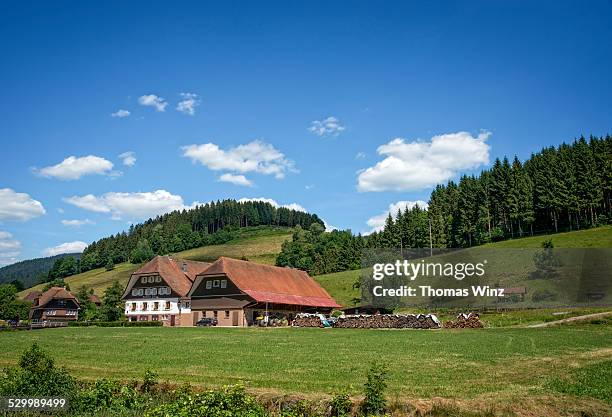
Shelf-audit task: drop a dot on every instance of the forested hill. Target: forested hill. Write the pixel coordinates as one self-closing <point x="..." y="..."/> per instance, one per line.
<point x="207" y="224"/>
<point x="562" y="188"/>
<point x="31" y="271"/>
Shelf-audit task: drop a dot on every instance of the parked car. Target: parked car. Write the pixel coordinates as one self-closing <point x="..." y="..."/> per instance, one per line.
<point x="206" y="322"/>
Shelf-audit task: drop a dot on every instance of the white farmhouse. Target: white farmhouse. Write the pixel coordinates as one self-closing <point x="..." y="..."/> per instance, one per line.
<point x="156" y="291"/>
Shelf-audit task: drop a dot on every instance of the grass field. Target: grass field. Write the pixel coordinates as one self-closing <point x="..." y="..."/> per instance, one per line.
<point x="462" y="364"/>
<point x="257" y="244"/>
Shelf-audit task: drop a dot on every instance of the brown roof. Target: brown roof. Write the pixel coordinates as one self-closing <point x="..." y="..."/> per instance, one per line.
<point x="55" y="293"/>
<point x="515" y="290"/>
<point x="171" y="270"/>
<point x="95" y="299"/>
<point x="32" y="295"/>
<point x="273" y="284"/>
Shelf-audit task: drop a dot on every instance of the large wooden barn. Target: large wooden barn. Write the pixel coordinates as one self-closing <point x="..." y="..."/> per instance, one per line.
<point x="243" y="293"/>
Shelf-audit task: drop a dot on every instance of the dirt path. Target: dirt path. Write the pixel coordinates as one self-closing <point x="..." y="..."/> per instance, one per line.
<point x="572" y="319"/>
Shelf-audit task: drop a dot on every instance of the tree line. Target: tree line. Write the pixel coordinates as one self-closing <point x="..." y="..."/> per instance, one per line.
<point x="180" y="230"/>
<point x="563" y="188"/>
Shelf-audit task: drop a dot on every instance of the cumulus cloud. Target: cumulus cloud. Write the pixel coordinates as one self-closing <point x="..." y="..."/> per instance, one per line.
<point x="73" y="168"/>
<point x="236" y="179"/>
<point x="329" y="126"/>
<point x="69" y="247"/>
<point x="10" y="248"/>
<point x="18" y="206"/>
<point x="274" y="203"/>
<point x="77" y="223"/>
<point x="121" y="113"/>
<point x="128" y="158"/>
<point x="416" y="165"/>
<point x="132" y="206"/>
<point x="188" y="103"/>
<point x="256" y="156"/>
<point x="377" y="223"/>
<point x="151" y="100"/>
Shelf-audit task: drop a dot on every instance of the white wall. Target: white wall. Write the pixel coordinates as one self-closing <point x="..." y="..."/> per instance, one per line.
<point x="174" y="303"/>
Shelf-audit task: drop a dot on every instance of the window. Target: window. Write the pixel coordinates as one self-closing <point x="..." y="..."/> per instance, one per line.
<point x="151" y="279"/>
<point x="223" y="283"/>
<point x="156" y="306"/>
<point x="134" y="292"/>
<point x="226" y="315"/>
<point x="51" y="312"/>
<point x="157" y="279"/>
<point x="133" y="308"/>
<point x="153" y="291"/>
<point x="62" y="303"/>
<point x="167" y="305"/>
<point x="144" y="318"/>
<point x="216" y="283"/>
<point x="208" y="285"/>
<point x="140" y="291"/>
<point x="144" y="306"/>
<point x="143" y="280"/>
<point x="215" y="313"/>
<point x="155" y="318"/>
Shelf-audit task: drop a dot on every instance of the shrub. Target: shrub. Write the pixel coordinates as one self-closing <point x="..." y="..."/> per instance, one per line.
<point x="340" y="406"/>
<point x="150" y="381"/>
<point x="37" y="376"/>
<point x="374" y="402"/>
<point x="230" y="401"/>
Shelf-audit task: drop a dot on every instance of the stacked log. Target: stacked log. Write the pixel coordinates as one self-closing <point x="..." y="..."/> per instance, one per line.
<point x="465" y="321"/>
<point x="388" y="321"/>
<point x="307" y="320"/>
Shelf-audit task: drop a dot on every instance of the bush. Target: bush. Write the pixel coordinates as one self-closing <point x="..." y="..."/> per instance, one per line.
<point x="374" y="402"/>
<point x="340" y="406"/>
<point x="37" y="376"/>
<point x="116" y="323"/>
<point x="543" y="295"/>
<point x="230" y="401"/>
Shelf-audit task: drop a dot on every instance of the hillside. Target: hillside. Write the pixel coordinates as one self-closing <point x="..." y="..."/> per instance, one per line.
<point x="340" y="284"/>
<point x="28" y="271"/>
<point x="259" y="244"/>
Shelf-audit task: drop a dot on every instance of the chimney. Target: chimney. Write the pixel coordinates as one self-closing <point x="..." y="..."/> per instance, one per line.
<point x="184" y="266"/>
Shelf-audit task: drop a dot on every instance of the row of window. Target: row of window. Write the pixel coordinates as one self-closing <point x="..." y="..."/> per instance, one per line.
<point x="155" y="306"/>
<point x="54" y="312"/>
<point x="216" y="283"/>
<point x="152" y="291"/>
<point x="150" y="279"/>
<point x="226" y="314"/>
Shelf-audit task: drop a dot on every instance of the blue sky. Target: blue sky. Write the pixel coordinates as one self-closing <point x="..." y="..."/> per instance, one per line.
<point x="344" y="108"/>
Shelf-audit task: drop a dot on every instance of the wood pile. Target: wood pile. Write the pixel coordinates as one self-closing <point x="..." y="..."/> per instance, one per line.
<point x="465" y="321"/>
<point x="307" y="320"/>
<point x="388" y="321"/>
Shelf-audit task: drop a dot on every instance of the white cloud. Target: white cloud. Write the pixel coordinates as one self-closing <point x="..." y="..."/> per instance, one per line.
<point x="360" y="155"/>
<point x="329" y="227"/>
<point x="69" y="247"/>
<point x="121" y="113"/>
<point x="309" y="186"/>
<point x="274" y="203"/>
<point x="151" y="100"/>
<point x="256" y="156"/>
<point x="77" y="223"/>
<point x="326" y="127"/>
<point x="73" y="168"/>
<point x="377" y="223"/>
<point x="188" y="103"/>
<point x="417" y="165"/>
<point x="236" y="179"/>
<point x="128" y="158"/>
<point x="10" y="248"/>
<point x="133" y="206"/>
<point x="18" y="206"/>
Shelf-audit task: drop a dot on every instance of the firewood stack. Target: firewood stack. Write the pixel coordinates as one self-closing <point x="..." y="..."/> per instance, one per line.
<point x="307" y="320"/>
<point x="388" y="321"/>
<point x="465" y="321"/>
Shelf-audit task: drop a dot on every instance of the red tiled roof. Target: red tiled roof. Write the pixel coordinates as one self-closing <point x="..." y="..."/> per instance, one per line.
<point x="94" y="299"/>
<point x="272" y="284"/>
<point x="171" y="270"/>
<point x="55" y="293"/>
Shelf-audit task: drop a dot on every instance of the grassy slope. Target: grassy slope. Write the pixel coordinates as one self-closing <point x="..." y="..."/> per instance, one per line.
<point x="257" y="244"/>
<point x="340" y="284"/>
<point x="423" y="364"/>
